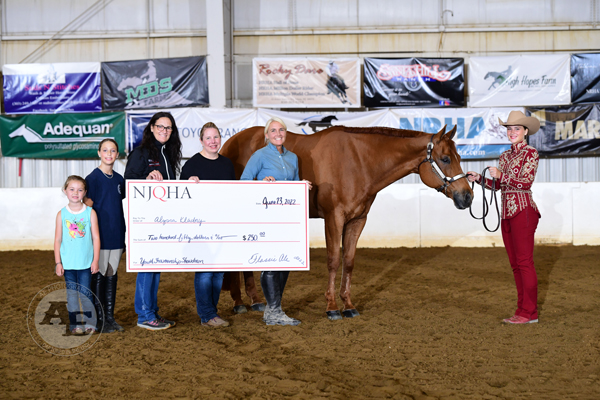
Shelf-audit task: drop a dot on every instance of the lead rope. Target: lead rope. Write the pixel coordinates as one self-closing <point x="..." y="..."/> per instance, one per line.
<point x="486" y="208"/>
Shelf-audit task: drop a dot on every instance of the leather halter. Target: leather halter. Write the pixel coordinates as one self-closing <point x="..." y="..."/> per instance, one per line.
<point x="438" y="171"/>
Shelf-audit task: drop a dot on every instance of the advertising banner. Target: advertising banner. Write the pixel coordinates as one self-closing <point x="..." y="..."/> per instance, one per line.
<point x="51" y="88"/>
<point x="175" y="226"/>
<point x="414" y="82"/>
<point x="308" y="123"/>
<point x="306" y="82"/>
<point x="479" y="135"/>
<point x="157" y="83"/>
<point x="68" y="136"/>
<point x="523" y="80"/>
<point x="189" y="123"/>
<point x="585" y="78"/>
<point x="567" y="131"/>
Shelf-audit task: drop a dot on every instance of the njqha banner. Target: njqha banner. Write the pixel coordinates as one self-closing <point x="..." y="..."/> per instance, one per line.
<point x="157" y="83"/>
<point x="479" y="134"/>
<point x="51" y="88"/>
<point x="306" y="82"/>
<point x="523" y="80"/>
<point x="567" y="131"/>
<point x="68" y="136"/>
<point x="414" y="82"/>
<point x="585" y="78"/>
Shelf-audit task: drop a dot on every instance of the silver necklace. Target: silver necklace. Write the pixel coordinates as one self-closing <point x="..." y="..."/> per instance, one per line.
<point x="107" y="175"/>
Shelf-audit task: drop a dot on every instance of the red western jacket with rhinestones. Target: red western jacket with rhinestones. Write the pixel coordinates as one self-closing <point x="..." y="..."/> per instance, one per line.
<point x="518" y="166"/>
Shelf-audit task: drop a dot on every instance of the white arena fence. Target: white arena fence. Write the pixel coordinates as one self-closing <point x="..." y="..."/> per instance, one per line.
<point x="403" y="215"/>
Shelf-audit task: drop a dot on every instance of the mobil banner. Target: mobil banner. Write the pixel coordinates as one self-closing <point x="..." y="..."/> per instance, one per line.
<point x="522" y="80"/>
<point x="306" y="82"/>
<point x="51" y="88"/>
<point x="567" y="131"/>
<point x="414" y="82"/>
<point x="189" y="124"/>
<point x="307" y="123"/>
<point x="585" y="78"/>
<point x="156" y="83"/>
<point x="479" y="134"/>
<point x="60" y="135"/>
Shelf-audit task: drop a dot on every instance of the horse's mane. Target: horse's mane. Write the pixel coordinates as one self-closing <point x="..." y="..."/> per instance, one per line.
<point x="401" y="133"/>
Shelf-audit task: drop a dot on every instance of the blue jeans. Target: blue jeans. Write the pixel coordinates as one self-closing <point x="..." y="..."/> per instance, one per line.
<point x="208" y="289"/>
<point x="146" y="296"/>
<point x="78" y="283"/>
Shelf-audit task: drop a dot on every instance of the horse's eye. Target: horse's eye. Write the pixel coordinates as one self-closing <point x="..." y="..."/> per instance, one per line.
<point x="446" y="160"/>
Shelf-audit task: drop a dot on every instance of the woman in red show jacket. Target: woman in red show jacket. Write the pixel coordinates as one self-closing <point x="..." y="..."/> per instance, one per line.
<point x="520" y="215"/>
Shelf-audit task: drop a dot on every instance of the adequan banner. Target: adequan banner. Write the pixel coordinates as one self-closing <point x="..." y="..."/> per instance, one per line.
<point x="585" y="78"/>
<point x="567" y="131"/>
<point x="414" y="82"/>
<point x="524" y="80"/>
<point x="70" y="136"/>
<point x="306" y="82"/>
<point x="51" y="88"/>
<point x="156" y="83"/>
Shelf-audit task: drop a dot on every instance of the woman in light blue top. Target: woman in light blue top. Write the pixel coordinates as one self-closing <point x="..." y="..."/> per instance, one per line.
<point x="274" y="163"/>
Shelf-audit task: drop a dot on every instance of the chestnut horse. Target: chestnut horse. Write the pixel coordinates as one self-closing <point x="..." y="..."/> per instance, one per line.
<point x="347" y="168"/>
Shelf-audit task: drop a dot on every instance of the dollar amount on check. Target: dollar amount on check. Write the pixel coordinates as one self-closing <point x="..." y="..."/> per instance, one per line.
<point x="217" y="226"/>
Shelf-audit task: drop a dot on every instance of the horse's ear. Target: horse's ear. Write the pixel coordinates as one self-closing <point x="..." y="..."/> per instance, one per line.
<point x="451" y="133"/>
<point x="442" y="131"/>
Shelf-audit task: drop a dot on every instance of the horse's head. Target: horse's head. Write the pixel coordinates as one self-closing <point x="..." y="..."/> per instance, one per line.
<point x="441" y="169"/>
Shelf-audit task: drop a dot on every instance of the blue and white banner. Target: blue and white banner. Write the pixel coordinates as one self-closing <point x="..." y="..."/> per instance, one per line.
<point x="478" y="136"/>
<point x="521" y="80"/>
<point x="52" y="88"/>
<point x="189" y="123"/>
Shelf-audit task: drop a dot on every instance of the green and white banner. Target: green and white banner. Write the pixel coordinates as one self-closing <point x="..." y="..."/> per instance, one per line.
<point x="60" y="135"/>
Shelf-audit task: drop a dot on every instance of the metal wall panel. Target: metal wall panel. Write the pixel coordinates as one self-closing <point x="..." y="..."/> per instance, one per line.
<point x="37" y="17"/>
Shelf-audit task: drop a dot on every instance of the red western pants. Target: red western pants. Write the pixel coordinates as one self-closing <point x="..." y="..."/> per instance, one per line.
<point x="518" y="236"/>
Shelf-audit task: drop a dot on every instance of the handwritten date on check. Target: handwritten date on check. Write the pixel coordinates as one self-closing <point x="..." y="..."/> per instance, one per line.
<point x="177" y="226"/>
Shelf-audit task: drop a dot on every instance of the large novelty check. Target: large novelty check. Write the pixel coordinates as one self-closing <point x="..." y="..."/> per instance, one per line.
<point x="217" y="226"/>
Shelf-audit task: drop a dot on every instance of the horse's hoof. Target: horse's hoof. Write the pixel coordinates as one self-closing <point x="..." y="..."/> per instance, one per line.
<point x="258" y="307"/>
<point x="334" y="315"/>
<point x="241" y="309"/>
<point x="350" y="313"/>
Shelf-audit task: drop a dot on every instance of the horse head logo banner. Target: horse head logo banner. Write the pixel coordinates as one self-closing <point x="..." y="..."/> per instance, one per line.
<point x="521" y="80"/>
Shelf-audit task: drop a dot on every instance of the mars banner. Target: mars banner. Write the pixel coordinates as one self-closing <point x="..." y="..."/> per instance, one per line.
<point x="414" y="82"/>
<point x="567" y="131"/>
<point x="306" y="82"/>
<point x="51" y="88"/>
<point x="521" y="80"/>
<point x="157" y="83"/>
<point x="585" y="78"/>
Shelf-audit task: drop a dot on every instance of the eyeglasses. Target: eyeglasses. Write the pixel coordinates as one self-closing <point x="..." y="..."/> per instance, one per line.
<point x="164" y="128"/>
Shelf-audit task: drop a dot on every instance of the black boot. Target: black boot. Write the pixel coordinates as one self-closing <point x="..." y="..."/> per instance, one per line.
<point x="98" y="288"/>
<point x="111" y="294"/>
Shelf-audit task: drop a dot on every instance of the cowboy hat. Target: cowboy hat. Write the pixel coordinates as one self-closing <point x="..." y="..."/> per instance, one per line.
<point x="518" y="118"/>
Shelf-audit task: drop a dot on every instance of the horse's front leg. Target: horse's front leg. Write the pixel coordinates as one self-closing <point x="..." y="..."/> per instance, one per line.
<point x="333" y="234"/>
<point x="233" y="278"/>
<point x="352" y="232"/>
<point x="257" y="304"/>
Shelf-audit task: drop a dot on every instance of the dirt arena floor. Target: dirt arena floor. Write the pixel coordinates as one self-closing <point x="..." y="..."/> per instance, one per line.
<point x="429" y="329"/>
